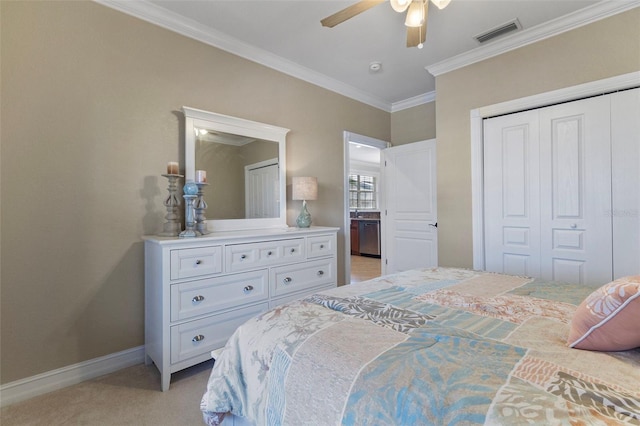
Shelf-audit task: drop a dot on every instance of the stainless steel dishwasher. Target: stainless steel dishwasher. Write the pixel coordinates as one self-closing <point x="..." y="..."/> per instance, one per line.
<point x="369" y="236"/>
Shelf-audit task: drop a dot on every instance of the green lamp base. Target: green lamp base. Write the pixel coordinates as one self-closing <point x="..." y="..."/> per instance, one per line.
<point x="304" y="218"/>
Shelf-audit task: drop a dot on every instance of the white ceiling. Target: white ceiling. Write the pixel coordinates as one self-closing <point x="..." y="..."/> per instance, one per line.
<point x="287" y="35"/>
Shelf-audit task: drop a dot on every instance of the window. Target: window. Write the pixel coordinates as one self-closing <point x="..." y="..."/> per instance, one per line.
<point x="363" y="192"/>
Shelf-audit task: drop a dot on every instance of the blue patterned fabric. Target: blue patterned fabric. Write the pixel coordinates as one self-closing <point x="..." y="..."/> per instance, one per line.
<point x="440" y="346"/>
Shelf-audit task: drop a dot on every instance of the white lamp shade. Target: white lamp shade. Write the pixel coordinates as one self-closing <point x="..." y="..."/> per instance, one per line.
<point x="304" y="188"/>
<point x="441" y="4"/>
<point x="415" y="14"/>
<point x="400" y="5"/>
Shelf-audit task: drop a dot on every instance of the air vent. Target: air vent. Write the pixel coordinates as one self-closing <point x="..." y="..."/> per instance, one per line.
<point x="498" y="31"/>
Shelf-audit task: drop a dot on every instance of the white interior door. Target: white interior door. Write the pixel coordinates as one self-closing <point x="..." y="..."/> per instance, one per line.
<point x="512" y="194"/>
<point x="575" y="179"/>
<point x="262" y="191"/>
<point x="547" y="192"/>
<point x="625" y="140"/>
<point x="409" y="222"/>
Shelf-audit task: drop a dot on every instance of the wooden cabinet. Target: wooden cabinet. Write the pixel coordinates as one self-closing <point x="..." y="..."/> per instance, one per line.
<point x="199" y="290"/>
<point x="355" y="238"/>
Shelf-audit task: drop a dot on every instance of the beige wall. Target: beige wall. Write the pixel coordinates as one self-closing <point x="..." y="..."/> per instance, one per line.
<point x="90" y="110"/>
<point x="413" y="124"/>
<point x="603" y="49"/>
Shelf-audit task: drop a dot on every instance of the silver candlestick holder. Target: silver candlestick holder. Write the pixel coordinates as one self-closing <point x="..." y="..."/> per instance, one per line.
<point x="200" y="205"/>
<point x="172" y="227"/>
<point x="190" y="191"/>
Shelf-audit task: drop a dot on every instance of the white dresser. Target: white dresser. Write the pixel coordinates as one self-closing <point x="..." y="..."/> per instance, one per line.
<point x="199" y="290"/>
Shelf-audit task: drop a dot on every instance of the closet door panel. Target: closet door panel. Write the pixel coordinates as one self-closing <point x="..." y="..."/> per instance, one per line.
<point x="512" y="194"/>
<point x="625" y="211"/>
<point x="575" y="179"/>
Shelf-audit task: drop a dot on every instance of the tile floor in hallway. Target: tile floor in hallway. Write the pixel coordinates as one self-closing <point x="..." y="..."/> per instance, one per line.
<point x="364" y="268"/>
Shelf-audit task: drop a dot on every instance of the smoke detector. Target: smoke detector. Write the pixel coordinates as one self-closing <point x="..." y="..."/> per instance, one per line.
<point x="375" y="66"/>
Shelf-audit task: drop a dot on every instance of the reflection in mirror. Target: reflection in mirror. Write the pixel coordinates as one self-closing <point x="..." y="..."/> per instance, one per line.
<point x="241" y="170"/>
<point x="244" y="163"/>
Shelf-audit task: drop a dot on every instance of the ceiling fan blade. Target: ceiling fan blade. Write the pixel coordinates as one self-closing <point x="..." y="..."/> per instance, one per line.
<point x="417" y="35"/>
<point x="349" y="12"/>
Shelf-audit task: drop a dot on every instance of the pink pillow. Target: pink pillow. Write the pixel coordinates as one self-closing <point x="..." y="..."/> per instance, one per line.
<point x="609" y="318"/>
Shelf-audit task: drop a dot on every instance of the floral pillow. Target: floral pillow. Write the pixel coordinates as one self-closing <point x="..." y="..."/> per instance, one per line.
<point x="609" y="318"/>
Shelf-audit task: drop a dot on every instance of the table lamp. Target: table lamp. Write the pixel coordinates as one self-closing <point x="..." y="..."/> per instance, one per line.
<point x="304" y="188"/>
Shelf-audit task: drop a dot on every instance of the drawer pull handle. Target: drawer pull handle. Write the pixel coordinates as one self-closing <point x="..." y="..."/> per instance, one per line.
<point x="198" y="262"/>
<point x="243" y="257"/>
<point x="269" y="253"/>
<point x="293" y="250"/>
<point x="320" y="273"/>
<point x="248" y="289"/>
<point x="321" y="246"/>
<point x="287" y="280"/>
<point x="198" y="338"/>
<point x="197" y="299"/>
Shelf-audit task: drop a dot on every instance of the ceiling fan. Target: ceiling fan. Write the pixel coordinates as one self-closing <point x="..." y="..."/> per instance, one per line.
<point x="416" y="21"/>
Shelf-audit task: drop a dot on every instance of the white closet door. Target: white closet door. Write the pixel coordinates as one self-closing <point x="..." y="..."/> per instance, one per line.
<point x="575" y="180"/>
<point x="625" y="136"/>
<point x="512" y="194"/>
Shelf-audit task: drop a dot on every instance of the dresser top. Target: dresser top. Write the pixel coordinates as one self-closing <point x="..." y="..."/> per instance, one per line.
<point x="242" y="234"/>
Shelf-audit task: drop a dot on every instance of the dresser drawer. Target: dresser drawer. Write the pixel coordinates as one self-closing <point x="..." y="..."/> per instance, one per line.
<point x="321" y="245"/>
<point x="193" y="298"/>
<point x="293" y="278"/>
<point x="240" y="257"/>
<point x="195" y="262"/>
<point x="194" y="338"/>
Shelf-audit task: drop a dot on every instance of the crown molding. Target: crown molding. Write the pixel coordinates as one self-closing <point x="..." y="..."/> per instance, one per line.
<point x="415" y="101"/>
<point x="588" y="15"/>
<point x="156" y="15"/>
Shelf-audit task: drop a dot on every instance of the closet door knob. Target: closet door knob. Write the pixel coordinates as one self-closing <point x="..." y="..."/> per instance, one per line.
<point x="197" y="299"/>
<point x="287" y="280"/>
<point x="248" y="289"/>
<point x="198" y="338"/>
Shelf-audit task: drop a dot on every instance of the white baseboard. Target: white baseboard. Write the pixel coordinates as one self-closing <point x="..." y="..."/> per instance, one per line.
<point x="66" y="376"/>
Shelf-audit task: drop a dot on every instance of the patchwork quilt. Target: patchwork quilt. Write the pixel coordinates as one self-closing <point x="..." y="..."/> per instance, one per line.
<point x="439" y="346"/>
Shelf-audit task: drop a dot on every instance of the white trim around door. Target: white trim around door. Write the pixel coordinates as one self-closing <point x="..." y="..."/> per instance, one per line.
<point x="621" y="82"/>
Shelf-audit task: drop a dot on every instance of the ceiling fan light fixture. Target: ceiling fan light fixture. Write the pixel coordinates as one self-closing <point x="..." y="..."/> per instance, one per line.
<point x="415" y="14"/>
<point x="441" y="4"/>
<point x="400" y="5"/>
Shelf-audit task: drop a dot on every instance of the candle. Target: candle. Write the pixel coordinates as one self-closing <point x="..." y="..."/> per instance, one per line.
<point x="201" y="176"/>
<point x="172" y="168"/>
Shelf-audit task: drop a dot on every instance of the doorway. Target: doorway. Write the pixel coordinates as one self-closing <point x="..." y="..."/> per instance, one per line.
<point x="362" y="195"/>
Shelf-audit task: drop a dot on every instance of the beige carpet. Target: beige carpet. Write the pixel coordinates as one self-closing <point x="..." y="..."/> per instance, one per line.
<point x="130" y="396"/>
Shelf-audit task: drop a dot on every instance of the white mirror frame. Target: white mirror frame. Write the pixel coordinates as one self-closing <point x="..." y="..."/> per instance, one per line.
<point x="237" y="126"/>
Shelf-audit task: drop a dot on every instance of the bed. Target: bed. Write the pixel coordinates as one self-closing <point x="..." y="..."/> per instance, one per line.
<point x="437" y="346"/>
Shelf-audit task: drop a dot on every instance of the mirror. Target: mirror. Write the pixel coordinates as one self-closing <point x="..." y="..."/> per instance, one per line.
<point x="245" y="169"/>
